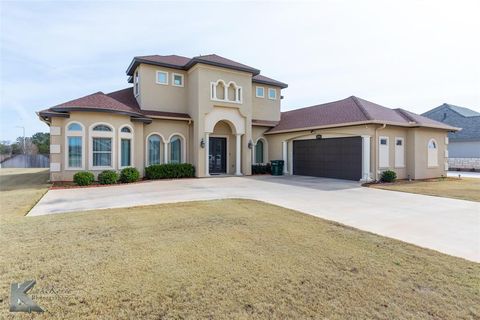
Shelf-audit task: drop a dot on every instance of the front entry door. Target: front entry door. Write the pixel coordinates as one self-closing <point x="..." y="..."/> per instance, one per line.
<point x="217" y="155"/>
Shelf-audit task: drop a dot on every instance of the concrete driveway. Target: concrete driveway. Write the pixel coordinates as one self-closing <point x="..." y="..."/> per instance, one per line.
<point x="446" y="225"/>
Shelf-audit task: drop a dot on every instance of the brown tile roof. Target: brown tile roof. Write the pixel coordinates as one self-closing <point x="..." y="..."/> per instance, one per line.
<point x="264" y="123"/>
<point x="265" y="80"/>
<point x="121" y="101"/>
<point x="184" y="63"/>
<point x="349" y="111"/>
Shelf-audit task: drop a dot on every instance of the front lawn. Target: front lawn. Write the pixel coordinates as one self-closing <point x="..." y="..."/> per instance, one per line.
<point x="464" y="188"/>
<point x="225" y="259"/>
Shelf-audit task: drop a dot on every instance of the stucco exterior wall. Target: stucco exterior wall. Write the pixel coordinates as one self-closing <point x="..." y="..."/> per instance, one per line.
<point x="265" y="108"/>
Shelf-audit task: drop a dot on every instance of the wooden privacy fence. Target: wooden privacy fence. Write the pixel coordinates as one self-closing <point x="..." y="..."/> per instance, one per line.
<point x="26" y="161"/>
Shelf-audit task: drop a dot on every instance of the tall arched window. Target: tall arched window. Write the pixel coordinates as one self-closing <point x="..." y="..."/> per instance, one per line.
<point x="102" y="146"/>
<point x="432" y="153"/>
<point x="259" y="152"/>
<point x="126" y="147"/>
<point x="175" y="149"/>
<point x="75" y="146"/>
<point x="154" y="142"/>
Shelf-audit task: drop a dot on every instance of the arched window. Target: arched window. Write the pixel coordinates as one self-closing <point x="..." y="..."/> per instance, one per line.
<point x="432" y="153"/>
<point x="126" y="147"/>
<point x="154" y="142"/>
<point x="102" y="127"/>
<point x="220" y="90"/>
<point x="75" y="146"/>
<point x="175" y="149"/>
<point x="259" y="152"/>
<point x="232" y="92"/>
<point x="101" y="147"/>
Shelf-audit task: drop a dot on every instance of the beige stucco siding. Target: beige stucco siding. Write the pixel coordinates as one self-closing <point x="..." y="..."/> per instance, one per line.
<point x="265" y="108"/>
<point x="160" y="97"/>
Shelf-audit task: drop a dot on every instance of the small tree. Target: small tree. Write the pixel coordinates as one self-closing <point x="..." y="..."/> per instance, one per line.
<point x="42" y="141"/>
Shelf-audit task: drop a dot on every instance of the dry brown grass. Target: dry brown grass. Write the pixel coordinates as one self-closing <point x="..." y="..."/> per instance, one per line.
<point x="464" y="188"/>
<point x="226" y="259"/>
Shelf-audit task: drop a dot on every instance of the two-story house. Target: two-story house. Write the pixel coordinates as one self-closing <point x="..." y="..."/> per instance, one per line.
<point x="222" y="116"/>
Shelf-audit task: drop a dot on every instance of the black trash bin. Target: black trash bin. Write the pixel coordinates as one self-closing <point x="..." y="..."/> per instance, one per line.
<point x="277" y="167"/>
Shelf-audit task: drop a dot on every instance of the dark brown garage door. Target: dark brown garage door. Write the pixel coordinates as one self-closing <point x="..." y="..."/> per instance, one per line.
<point x="339" y="158"/>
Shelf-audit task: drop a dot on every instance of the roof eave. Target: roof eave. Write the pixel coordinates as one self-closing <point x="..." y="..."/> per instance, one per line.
<point x="194" y="61"/>
<point x="275" y="84"/>
<point x="92" y="109"/>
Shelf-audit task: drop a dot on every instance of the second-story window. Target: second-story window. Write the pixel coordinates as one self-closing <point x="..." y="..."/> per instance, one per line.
<point x="228" y="92"/>
<point x="162" y="77"/>
<point x="272" y="94"/>
<point x="177" y="80"/>
<point x="136" y="85"/>
<point x="260" y="92"/>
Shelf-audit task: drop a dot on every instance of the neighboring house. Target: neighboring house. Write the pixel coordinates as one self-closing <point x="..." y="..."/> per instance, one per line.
<point x="464" y="147"/>
<point x="222" y="116"/>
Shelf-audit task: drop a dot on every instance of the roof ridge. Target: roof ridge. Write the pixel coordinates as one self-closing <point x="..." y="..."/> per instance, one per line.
<point x="361" y="107"/>
<point x="404" y="114"/>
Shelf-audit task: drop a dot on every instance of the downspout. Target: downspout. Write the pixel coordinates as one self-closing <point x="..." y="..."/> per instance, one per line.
<point x="375" y="148"/>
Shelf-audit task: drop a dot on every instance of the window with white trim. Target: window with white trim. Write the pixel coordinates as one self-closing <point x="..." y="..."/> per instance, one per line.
<point x="272" y="94"/>
<point x="231" y="92"/>
<point x="136" y="84"/>
<point x="399" y="152"/>
<point x="154" y="149"/>
<point x="162" y="77"/>
<point x="260" y="92"/>
<point x="259" y="152"/>
<point x="74" y="146"/>
<point x="383" y="159"/>
<point x="102" y="147"/>
<point x="432" y="153"/>
<point x="175" y="149"/>
<point x="126" y="147"/>
<point x="177" y="80"/>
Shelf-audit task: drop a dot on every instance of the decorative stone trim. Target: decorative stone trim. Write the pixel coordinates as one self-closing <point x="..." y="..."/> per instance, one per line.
<point x="55" y="167"/>
<point x="54" y="148"/>
<point x="55" y="131"/>
<point x="464" y="163"/>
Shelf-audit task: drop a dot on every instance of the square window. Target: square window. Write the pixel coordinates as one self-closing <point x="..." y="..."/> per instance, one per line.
<point x="260" y="92"/>
<point x="272" y="94"/>
<point x="383" y="142"/>
<point x="162" y="77"/>
<point x="178" y="80"/>
<point x="399" y="142"/>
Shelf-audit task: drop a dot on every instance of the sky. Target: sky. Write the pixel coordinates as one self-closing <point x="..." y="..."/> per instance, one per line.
<point x="406" y="54"/>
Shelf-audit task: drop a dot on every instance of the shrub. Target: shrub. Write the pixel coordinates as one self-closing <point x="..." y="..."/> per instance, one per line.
<point x="261" y="168"/>
<point x="128" y="175"/>
<point x="108" y="177"/>
<point x="388" y="176"/>
<point x="170" y="171"/>
<point x="83" y="178"/>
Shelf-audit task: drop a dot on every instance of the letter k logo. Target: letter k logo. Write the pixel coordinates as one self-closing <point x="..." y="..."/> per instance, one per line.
<point x="19" y="301"/>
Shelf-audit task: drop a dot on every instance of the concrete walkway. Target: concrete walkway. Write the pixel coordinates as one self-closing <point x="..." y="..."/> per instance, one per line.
<point x="446" y="225"/>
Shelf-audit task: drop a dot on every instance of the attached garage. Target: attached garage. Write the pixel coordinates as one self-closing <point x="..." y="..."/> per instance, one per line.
<point x="339" y="158"/>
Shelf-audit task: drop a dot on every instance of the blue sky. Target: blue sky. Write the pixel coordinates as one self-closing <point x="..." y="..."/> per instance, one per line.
<point x="410" y="54"/>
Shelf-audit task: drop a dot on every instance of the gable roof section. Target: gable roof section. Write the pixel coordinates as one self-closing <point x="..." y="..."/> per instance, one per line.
<point x="462" y="111"/>
<point x="350" y="111"/>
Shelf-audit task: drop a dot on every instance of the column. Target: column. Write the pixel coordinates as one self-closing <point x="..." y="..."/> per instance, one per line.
<point x="165" y="152"/>
<point x="285" y="156"/>
<point x="366" y="159"/>
<point x="238" y="155"/>
<point x="207" y="151"/>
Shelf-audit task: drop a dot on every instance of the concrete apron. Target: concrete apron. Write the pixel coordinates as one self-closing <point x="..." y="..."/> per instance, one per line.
<point x="447" y="225"/>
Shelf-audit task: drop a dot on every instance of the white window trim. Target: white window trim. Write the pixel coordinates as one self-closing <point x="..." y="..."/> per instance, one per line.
<point x="403" y="155"/>
<point x="74" y="134"/>
<point x="256" y="92"/>
<point x="265" y="151"/>
<point x="101" y="134"/>
<point x="173" y="79"/>
<point x="136" y="82"/>
<point x="125" y="135"/>
<point x="388" y="151"/>
<point x="162" y="144"/>
<point x="184" y="146"/>
<point x="272" y="90"/>
<point x="166" y="79"/>
<point x="238" y="92"/>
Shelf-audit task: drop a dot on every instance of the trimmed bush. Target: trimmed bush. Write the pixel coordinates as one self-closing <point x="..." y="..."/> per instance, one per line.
<point x="107" y="177"/>
<point x="128" y="175"/>
<point x="170" y="171"/>
<point x="262" y="168"/>
<point x="83" y="178"/>
<point x="388" y="176"/>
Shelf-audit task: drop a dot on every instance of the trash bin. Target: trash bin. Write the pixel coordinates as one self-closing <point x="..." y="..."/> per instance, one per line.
<point x="277" y="167"/>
